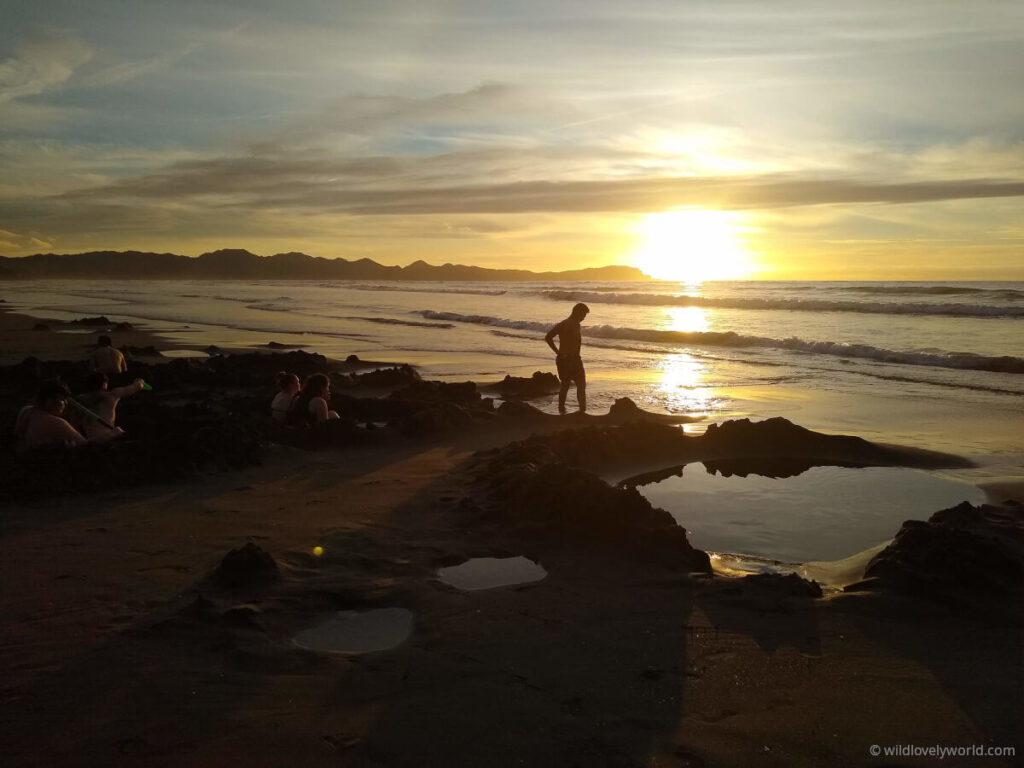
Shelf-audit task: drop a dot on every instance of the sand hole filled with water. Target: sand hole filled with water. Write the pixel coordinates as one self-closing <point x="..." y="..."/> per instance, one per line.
<point x="822" y="513"/>
<point x="490" y="572"/>
<point x="352" y="632"/>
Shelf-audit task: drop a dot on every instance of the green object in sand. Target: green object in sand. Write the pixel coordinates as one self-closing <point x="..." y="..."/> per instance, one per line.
<point x="147" y="387"/>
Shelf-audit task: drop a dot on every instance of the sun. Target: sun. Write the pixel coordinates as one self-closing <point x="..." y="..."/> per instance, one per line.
<point x="692" y="245"/>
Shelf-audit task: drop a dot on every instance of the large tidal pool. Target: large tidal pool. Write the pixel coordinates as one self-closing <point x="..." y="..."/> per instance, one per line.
<point x="823" y="513"/>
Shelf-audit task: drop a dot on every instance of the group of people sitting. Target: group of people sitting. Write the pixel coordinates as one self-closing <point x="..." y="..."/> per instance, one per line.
<point x="46" y="421"/>
<point x="56" y="418"/>
<point x="296" y="405"/>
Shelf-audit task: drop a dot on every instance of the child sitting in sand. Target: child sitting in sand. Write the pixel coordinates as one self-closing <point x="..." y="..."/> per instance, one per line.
<point x="310" y="405"/>
<point x="289" y="385"/>
<point x="42" y="423"/>
<point x="102" y="401"/>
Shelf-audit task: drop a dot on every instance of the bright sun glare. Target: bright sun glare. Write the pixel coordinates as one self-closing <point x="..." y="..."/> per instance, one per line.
<point x="692" y="245"/>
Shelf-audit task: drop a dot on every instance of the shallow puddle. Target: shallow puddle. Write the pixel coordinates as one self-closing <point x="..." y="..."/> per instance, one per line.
<point x="183" y="353"/>
<point x="490" y="572"/>
<point x="352" y="632"/>
<point x="822" y="513"/>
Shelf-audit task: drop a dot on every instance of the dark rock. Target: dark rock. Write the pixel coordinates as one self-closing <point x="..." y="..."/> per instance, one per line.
<point x="464" y="392"/>
<point x="279" y="345"/>
<point x="99" y="320"/>
<point x="777" y="436"/>
<point x="519" y="388"/>
<point x="783" y="585"/>
<point x="200" y="609"/>
<point x="246" y="567"/>
<point x="396" y="376"/>
<point x="624" y="408"/>
<point x="553" y="500"/>
<point x="245" y="616"/>
<point x="601" y="445"/>
<point x="41" y="327"/>
<point x="122" y="327"/>
<point x="435" y="418"/>
<point x="513" y="409"/>
<point x="353" y="359"/>
<point x="962" y="554"/>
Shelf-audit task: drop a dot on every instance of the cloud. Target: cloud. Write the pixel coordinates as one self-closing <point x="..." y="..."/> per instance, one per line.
<point x="375" y="186"/>
<point x="125" y="71"/>
<point x="40" y="65"/>
<point x="17" y="242"/>
<point x="497" y="110"/>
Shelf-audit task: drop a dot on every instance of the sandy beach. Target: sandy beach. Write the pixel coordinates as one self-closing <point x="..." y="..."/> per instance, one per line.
<point x="128" y="639"/>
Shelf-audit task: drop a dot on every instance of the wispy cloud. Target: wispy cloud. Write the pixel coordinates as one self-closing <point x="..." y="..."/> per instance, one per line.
<point x="40" y="65"/>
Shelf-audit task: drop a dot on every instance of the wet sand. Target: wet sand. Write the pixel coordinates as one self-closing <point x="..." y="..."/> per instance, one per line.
<point x="119" y="648"/>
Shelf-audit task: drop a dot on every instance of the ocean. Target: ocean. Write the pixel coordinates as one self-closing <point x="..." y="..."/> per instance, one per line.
<point x="936" y="365"/>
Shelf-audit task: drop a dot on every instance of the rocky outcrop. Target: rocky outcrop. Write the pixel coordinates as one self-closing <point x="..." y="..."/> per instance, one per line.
<point x="521" y="388"/>
<point x="779" y="437"/>
<point x="248" y="566"/>
<point x="529" y="490"/>
<point x="439" y="391"/>
<point x="395" y="376"/>
<point x="967" y="555"/>
<point x="776" y="445"/>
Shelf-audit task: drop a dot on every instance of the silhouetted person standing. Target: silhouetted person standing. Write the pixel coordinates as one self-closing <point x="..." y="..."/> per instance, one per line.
<point x="567" y="356"/>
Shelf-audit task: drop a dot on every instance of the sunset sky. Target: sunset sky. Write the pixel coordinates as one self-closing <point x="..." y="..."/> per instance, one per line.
<point x="828" y="140"/>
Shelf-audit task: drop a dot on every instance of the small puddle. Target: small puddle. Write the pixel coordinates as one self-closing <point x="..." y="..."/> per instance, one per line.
<point x="352" y="632"/>
<point x="803" y="514"/>
<point x="490" y="572"/>
<point x="183" y="353"/>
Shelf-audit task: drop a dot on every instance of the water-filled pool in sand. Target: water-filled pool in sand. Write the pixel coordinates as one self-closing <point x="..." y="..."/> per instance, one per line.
<point x="352" y="632"/>
<point x="186" y="353"/>
<point x="822" y="513"/>
<point x="490" y="572"/>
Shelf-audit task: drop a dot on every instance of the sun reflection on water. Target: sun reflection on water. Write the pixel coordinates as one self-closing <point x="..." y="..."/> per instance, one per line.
<point x="683" y="386"/>
<point x="687" y="319"/>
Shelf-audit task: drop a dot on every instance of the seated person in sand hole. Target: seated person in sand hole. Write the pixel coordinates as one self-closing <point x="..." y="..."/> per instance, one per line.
<point x="42" y="423"/>
<point x="310" y="405"/>
<point x="99" y="403"/>
<point x="288" y="386"/>
<point x="106" y="358"/>
<point x="567" y="356"/>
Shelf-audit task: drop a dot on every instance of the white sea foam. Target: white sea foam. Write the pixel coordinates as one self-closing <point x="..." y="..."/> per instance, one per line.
<point x="412" y="289"/>
<point x="958" y="360"/>
<point x="802" y="305"/>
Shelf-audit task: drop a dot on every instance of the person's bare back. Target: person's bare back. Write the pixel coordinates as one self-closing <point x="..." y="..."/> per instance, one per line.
<point x="107" y="358"/>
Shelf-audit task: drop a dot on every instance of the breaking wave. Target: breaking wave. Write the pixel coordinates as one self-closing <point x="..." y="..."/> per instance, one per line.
<point x="396" y="321"/>
<point x="405" y="289"/>
<point x="804" y="305"/>
<point x="958" y="360"/>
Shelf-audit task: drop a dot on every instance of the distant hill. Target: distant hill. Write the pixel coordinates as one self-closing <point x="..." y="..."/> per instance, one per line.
<point x="238" y="264"/>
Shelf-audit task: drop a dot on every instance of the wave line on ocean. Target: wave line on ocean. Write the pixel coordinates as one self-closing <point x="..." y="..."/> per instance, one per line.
<point x="799" y="305"/>
<point x="957" y="360"/>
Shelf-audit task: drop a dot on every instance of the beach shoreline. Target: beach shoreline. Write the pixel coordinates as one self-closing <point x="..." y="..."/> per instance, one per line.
<point x="122" y="641"/>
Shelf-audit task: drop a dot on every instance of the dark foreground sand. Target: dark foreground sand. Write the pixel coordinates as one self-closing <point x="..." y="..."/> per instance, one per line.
<point x="118" y="649"/>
